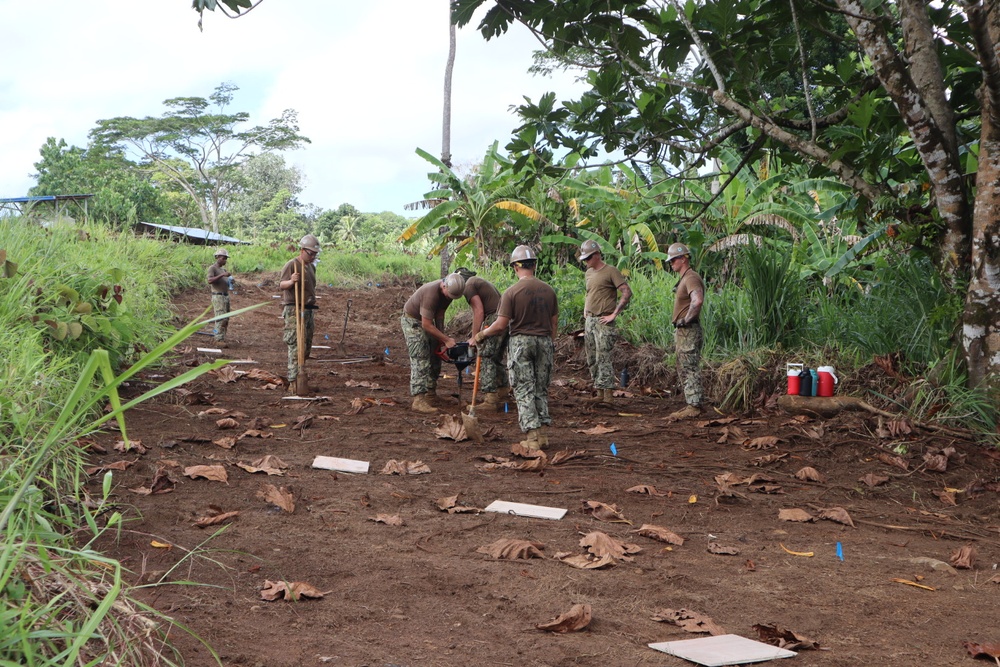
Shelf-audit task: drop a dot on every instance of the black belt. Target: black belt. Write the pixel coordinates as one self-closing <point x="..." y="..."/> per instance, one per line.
<point x="220" y="293"/>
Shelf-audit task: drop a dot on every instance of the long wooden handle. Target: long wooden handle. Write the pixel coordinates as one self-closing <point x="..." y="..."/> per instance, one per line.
<point x="475" y="382"/>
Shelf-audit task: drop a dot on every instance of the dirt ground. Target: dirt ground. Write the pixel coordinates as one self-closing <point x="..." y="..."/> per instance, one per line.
<point x="421" y="593"/>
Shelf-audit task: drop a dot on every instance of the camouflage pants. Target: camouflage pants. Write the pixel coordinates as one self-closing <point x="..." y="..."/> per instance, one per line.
<point x="529" y="364"/>
<point x="220" y="304"/>
<point x="309" y="321"/>
<point x="492" y="350"/>
<point x="599" y="341"/>
<point x="687" y="343"/>
<point x="425" y="366"/>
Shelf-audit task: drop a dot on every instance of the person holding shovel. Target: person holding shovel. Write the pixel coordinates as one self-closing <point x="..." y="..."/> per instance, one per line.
<point x="601" y="308"/>
<point x="422" y="322"/>
<point x="690" y="296"/>
<point x="484" y="300"/>
<point x="218" y="281"/>
<point x="531" y="310"/>
<point x="299" y="275"/>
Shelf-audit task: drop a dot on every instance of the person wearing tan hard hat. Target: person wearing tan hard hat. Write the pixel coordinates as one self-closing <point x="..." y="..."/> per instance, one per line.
<point x="218" y="281"/>
<point x="484" y="300"/>
<point x="423" y="329"/>
<point x="529" y="311"/>
<point x="602" y="307"/>
<point x="301" y="268"/>
<point x="688" y="300"/>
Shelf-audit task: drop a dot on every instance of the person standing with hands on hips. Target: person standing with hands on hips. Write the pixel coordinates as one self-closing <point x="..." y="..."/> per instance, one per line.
<point x="690" y="296"/>
<point x="600" y="310"/>
<point x="218" y="280"/>
<point x="530" y="309"/>
<point x="422" y="322"/>
<point x="302" y="269"/>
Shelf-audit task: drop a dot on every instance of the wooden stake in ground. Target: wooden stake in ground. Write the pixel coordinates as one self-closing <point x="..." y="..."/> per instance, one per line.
<point x="301" y="381"/>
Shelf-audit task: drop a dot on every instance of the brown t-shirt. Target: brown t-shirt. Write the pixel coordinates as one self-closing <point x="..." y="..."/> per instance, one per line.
<point x="602" y="290"/>
<point x="476" y="286"/>
<point x="222" y="284"/>
<point x="288" y="295"/>
<point x="427" y="301"/>
<point x="689" y="282"/>
<point x="530" y="304"/>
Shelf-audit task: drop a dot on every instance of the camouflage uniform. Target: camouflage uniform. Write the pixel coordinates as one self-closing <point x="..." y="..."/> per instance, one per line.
<point x="220" y="306"/>
<point x="687" y="344"/>
<point x="529" y="364"/>
<point x="491" y="350"/>
<point x="425" y="366"/>
<point x="309" y="323"/>
<point x="599" y="341"/>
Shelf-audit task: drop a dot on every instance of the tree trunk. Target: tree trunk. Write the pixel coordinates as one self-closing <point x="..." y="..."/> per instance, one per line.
<point x="449" y="68"/>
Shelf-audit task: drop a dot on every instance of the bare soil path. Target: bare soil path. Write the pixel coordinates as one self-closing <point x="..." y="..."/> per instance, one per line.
<point x="421" y="594"/>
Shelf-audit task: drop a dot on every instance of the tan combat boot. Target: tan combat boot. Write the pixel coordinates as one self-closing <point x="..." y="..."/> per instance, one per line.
<point x="686" y="412"/>
<point x="543" y="438"/>
<point x="421" y="403"/>
<point x="531" y="440"/>
<point x="491" y="402"/>
<point x="609" y="396"/>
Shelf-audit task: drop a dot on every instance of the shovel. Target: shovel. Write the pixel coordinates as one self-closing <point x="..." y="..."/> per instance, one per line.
<point x="343" y="333"/>
<point x="469" y="420"/>
<point x="301" y="381"/>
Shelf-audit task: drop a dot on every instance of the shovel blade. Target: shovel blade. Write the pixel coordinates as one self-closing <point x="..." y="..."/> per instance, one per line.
<point x="471" y="425"/>
<point x="301" y="384"/>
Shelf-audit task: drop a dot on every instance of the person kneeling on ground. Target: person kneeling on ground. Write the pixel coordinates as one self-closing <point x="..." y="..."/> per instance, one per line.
<point x="422" y="322"/>
<point x="531" y="310"/>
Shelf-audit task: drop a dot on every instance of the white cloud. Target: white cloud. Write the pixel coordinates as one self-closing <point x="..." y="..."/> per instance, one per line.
<point x="366" y="78"/>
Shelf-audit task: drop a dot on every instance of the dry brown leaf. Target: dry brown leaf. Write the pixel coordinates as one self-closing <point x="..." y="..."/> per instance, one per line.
<point x="452" y="428"/>
<point x="585" y="562"/>
<point x="891" y="460"/>
<point x="212" y="412"/>
<point x="387" y="519"/>
<point x="133" y="446"/>
<point x="964" y="558"/>
<point x="873" y="480"/>
<point x="511" y="549"/>
<point x="577" y="618"/>
<point x="225" y="374"/>
<point x="226" y="442"/>
<point x="989" y="650"/>
<point x="732" y="435"/>
<point x="363" y="383"/>
<point x="660" y="534"/>
<point x="689" y="621"/>
<point x="264" y="376"/>
<point x="451" y="506"/>
<point x="566" y="455"/>
<point x="766" y="488"/>
<point x="394" y="467"/>
<point x="838" y="514"/>
<point x="117" y="465"/>
<point x="763" y="442"/>
<point x="604" y="512"/>
<point x="358" y="405"/>
<point x="227" y="422"/>
<point x="282" y="497"/>
<point x="765" y="460"/>
<point x="255" y="433"/>
<point x="646" y="489"/>
<point x="795" y="514"/>
<point x="279" y="590"/>
<point x="601" y="544"/>
<point x="600" y="429"/>
<point x="715" y="422"/>
<point x="269" y="464"/>
<point x="213" y="473"/>
<point x="215" y="519"/>
<point x="809" y="474"/>
<point x="721" y="550"/>
<point x="786" y="639"/>
<point x="302" y="422"/>
<point x="947" y="497"/>
<point x="163" y="482"/>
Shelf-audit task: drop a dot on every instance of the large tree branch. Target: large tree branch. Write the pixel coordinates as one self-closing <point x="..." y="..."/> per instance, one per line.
<point x="985" y="26"/>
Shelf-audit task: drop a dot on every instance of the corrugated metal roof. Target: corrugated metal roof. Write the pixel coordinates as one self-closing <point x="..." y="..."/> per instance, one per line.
<point x="28" y="200"/>
<point x="198" y="235"/>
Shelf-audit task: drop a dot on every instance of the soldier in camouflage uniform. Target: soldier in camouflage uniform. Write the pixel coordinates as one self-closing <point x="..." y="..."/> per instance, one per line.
<point x="484" y="300"/>
<point x="687" y="334"/>
<point x="218" y="280"/>
<point x="530" y="309"/>
<point x="422" y="322"/>
<point x="300" y="268"/>
<point x="600" y="310"/>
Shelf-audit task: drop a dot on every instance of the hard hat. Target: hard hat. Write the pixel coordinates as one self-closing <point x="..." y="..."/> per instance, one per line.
<point x="454" y="285"/>
<point x="521" y="253"/>
<point x="588" y="248"/>
<point x="677" y="250"/>
<point x="310" y="242"/>
<point x="222" y="252"/>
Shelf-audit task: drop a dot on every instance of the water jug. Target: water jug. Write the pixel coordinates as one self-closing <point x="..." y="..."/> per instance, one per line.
<point x="827" y="378"/>
<point x="805" y="382"/>
<point x="793" y="371"/>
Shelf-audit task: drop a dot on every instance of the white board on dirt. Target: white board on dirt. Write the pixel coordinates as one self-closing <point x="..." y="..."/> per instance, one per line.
<point x="340" y="465"/>
<point x="209" y="350"/>
<point x="521" y="509"/>
<point x="722" y="650"/>
<point x="305" y="398"/>
<point x="236" y="362"/>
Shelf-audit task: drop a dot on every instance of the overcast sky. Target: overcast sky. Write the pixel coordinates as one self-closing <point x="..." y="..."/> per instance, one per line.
<point x="366" y="77"/>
